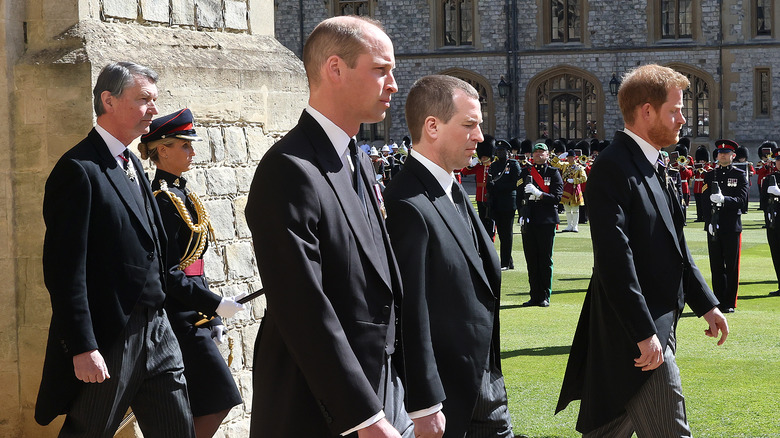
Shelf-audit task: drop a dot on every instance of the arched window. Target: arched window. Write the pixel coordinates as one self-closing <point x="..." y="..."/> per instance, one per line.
<point x="485" y="96"/>
<point x="697" y="104"/>
<point x="565" y="105"/>
<point x="457" y="22"/>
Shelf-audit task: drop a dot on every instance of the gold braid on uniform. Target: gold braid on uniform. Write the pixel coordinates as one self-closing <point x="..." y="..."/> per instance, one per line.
<point x="200" y="231"/>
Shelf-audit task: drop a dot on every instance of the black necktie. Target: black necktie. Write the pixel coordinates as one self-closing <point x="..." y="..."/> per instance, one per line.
<point x="463" y="209"/>
<point x="357" y="181"/>
<point x="460" y="203"/>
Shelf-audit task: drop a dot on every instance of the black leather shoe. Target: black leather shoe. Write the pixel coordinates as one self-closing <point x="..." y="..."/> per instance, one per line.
<point x="544" y="303"/>
<point x="529" y="303"/>
<point x="775" y="293"/>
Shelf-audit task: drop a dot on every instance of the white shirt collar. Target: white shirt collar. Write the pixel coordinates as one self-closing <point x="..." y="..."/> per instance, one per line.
<point x="651" y="153"/>
<point x="336" y="135"/>
<point x="114" y="146"/>
<point x="443" y="177"/>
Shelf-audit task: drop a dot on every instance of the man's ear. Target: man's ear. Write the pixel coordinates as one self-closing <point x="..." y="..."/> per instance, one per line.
<point x="108" y="101"/>
<point x="333" y="68"/>
<point x="431" y="127"/>
<point x="645" y="111"/>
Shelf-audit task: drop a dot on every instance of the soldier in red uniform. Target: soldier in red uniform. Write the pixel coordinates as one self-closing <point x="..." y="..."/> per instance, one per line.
<point x="480" y="171"/>
<point x="699" y="168"/>
<point x="766" y="166"/>
<point x="686" y="174"/>
<point x="770" y="204"/>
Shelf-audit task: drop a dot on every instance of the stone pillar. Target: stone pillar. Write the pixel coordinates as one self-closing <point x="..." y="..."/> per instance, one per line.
<point x="217" y="57"/>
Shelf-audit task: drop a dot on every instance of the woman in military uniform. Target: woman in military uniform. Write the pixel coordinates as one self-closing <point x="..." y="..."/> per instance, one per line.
<point x="212" y="390"/>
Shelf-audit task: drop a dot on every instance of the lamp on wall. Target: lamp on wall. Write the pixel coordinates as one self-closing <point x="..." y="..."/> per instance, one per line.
<point x="614" y="85"/>
<point x="503" y="88"/>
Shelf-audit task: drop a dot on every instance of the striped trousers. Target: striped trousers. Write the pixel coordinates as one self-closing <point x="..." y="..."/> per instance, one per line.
<point x="147" y="374"/>
<point x="491" y="413"/>
<point x="657" y="410"/>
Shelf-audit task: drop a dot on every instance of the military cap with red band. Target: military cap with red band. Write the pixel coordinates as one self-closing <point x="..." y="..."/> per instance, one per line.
<point x="724" y="145"/>
<point x="178" y="125"/>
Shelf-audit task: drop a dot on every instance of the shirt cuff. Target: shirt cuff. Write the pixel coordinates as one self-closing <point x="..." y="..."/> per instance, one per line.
<point x="425" y="412"/>
<point x="376" y="417"/>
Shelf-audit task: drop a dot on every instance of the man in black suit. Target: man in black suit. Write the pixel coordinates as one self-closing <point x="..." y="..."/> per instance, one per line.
<point x="622" y="362"/>
<point x="502" y="186"/>
<point x="770" y="205"/>
<point x="539" y="193"/>
<point x="450" y="271"/>
<point x="110" y="344"/>
<point x="723" y="210"/>
<point x="326" y="357"/>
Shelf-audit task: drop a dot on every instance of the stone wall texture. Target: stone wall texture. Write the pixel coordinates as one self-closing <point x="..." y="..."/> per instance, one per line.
<point x="213" y="56"/>
<point x="616" y="37"/>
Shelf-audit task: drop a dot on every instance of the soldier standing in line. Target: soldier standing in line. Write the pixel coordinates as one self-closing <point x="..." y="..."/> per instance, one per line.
<point x="725" y="192"/>
<point x="573" y="175"/>
<point x="770" y="205"/>
<point x="700" y="167"/>
<point x="504" y="174"/>
<point x="539" y="192"/>
<point x="480" y="171"/>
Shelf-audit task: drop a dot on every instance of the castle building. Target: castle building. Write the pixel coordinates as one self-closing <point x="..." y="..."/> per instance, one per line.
<point x="551" y="68"/>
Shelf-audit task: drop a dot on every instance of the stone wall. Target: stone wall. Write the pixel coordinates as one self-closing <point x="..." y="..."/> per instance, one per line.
<point x="217" y="57"/>
<point x="617" y="36"/>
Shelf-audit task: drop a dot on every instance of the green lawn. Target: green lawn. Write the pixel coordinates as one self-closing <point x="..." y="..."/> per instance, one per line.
<point x="731" y="391"/>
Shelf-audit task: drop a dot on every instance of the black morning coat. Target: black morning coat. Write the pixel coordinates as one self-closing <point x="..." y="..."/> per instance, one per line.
<point x="643" y="275"/>
<point x="451" y="295"/>
<point x="330" y="290"/>
<point x="98" y="251"/>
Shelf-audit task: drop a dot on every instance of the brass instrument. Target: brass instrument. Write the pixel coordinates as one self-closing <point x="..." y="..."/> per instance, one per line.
<point x="682" y="160"/>
<point x="584" y="159"/>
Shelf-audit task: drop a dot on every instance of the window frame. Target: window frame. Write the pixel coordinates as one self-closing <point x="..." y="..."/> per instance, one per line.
<point x="437" y="29"/>
<point x="759" y="93"/>
<point x="533" y="119"/>
<point x="336" y="6"/>
<point x="548" y="28"/>
<point x="754" y="19"/>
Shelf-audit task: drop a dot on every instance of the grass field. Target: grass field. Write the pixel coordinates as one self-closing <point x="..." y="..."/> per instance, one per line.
<point x="731" y="391"/>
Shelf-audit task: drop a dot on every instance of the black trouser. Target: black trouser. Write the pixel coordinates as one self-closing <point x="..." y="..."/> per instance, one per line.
<point x="724" y="265"/>
<point x="699" y="198"/>
<point x="505" y="220"/>
<point x="538" y="248"/>
<point x="773" y="238"/>
<point x="487" y="222"/>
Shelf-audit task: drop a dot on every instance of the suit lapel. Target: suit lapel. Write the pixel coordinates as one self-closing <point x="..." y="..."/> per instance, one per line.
<point x="119" y="180"/>
<point x="451" y="218"/>
<point x="340" y="182"/>
<point x="654" y="189"/>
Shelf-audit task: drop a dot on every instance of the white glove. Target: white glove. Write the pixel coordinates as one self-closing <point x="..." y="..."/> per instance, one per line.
<point x="711" y="230"/>
<point x="474" y="161"/>
<point x="563" y="155"/>
<point x="570" y="180"/>
<point x="773" y="190"/>
<point x="218" y="333"/>
<point x="533" y="190"/>
<point x="717" y="198"/>
<point x="229" y="307"/>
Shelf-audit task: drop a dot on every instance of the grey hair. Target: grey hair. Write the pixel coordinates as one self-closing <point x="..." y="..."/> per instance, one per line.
<point x="115" y="78"/>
